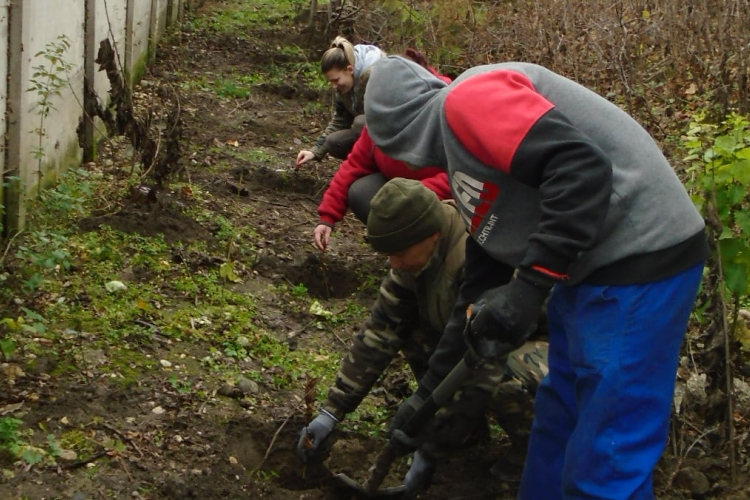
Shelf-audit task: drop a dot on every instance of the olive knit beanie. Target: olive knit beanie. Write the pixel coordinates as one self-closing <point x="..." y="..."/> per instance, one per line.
<point x="402" y="213"/>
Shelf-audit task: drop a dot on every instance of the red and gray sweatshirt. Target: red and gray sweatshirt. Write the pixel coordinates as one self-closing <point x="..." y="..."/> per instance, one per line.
<point x="366" y="159"/>
<point x="549" y="176"/>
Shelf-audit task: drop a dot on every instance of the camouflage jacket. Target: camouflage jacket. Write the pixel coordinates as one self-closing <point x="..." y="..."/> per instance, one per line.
<point x="405" y="305"/>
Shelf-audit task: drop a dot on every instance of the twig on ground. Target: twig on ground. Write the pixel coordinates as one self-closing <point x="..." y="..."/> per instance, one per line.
<point x="276" y="204"/>
<point x="7" y="248"/>
<point x="81" y="463"/>
<point x="273" y="439"/>
<point x="301" y="329"/>
<point x="158" y="334"/>
<point x="124" y="467"/>
<point x="684" y="455"/>
<point x="339" y="338"/>
<point x="126" y="438"/>
<point x="240" y="106"/>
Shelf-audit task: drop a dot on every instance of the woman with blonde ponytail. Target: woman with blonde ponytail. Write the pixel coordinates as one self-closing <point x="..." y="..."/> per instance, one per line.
<point x="347" y="69"/>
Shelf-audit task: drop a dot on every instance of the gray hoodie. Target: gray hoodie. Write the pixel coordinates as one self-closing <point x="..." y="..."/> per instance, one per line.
<point x="549" y="176"/>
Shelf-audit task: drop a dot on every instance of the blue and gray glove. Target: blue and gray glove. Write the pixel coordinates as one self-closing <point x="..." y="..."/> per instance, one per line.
<point x="312" y="437"/>
<point x="420" y="474"/>
<point x="504" y="317"/>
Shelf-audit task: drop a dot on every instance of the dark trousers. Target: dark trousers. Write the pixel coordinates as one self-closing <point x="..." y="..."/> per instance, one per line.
<point x="339" y="144"/>
<point x="361" y="193"/>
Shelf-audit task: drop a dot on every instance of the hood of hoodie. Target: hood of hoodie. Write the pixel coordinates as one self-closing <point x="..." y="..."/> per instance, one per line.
<point x="403" y="104"/>
<point x="364" y="57"/>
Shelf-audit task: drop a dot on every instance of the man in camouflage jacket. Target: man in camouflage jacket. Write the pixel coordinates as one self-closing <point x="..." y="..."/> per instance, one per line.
<point x="424" y="240"/>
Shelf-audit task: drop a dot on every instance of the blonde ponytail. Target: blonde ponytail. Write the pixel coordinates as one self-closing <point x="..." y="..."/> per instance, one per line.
<point x="338" y="56"/>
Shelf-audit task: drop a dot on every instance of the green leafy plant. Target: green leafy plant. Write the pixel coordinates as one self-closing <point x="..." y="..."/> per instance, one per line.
<point x="181" y="386"/>
<point x="13" y="442"/>
<point x="68" y="197"/>
<point x="31" y="322"/>
<point x="7" y="346"/>
<point x="719" y="175"/>
<point x="231" y="89"/>
<point x="43" y="251"/>
<point x="47" y="81"/>
<point x="299" y="291"/>
<point x="237" y="15"/>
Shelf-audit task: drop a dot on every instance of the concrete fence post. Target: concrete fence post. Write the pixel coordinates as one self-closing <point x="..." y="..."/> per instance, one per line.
<point x="153" y="28"/>
<point x="128" y="63"/>
<point x="18" y="74"/>
<point x="90" y="49"/>
<point x="4" y="27"/>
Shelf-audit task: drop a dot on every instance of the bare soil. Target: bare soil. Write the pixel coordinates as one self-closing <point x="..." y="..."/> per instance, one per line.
<point x="221" y="447"/>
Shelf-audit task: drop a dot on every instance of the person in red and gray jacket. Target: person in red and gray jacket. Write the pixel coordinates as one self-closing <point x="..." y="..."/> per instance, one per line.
<point x="566" y="196"/>
<point x="359" y="177"/>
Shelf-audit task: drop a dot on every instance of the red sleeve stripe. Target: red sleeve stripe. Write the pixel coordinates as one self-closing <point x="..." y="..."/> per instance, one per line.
<point x="492" y="112"/>
<point x="550" y="273"/>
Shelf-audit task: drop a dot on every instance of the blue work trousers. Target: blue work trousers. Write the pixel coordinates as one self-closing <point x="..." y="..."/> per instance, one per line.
<point x="602" y="413"/>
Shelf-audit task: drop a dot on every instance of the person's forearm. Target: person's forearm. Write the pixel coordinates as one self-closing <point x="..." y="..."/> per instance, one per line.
<point x="370" y="354"/>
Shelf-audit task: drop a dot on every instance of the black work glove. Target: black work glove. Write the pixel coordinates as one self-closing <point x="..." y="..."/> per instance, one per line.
<point x="312" y="437"/>
<point x="504" y="317"/>
<point x="406" y="410"/>
<point x="420" y="474"/>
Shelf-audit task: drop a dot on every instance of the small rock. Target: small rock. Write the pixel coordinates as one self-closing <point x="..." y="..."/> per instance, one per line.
<point x="94" y="357"/>
<point x="692" y="480"/>
<point x="115" y="286"/>
<point x="176" y="487"/>
<point x="158" y="410"/>
<point x="229" y="391"/>
<point x="43" y="364"/>
<point x="165" y="363"/>
<point x="247" y="386"/>
<point x="68" y="455"/>
<point x="742" y="394"/>
<point x="232" y="460"/>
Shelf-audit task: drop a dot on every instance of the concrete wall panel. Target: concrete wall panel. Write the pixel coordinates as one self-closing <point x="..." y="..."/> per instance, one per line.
<point x="51" y="20"/>
<point x="161" y="13"/>
<point x="110" y="23"/>
<point x="26" y="29"/>
<point x="173" y="11"/>
<point x="141" y="26"/>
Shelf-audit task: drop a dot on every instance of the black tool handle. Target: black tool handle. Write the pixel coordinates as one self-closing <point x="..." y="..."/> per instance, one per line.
<point x="439" y="397"/>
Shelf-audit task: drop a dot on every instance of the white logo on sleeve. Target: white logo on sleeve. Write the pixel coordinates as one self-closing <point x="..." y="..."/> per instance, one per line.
<point x="475" y="198"/>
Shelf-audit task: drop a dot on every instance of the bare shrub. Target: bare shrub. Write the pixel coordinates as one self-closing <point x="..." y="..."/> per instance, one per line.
<point x="658" y="60"/>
